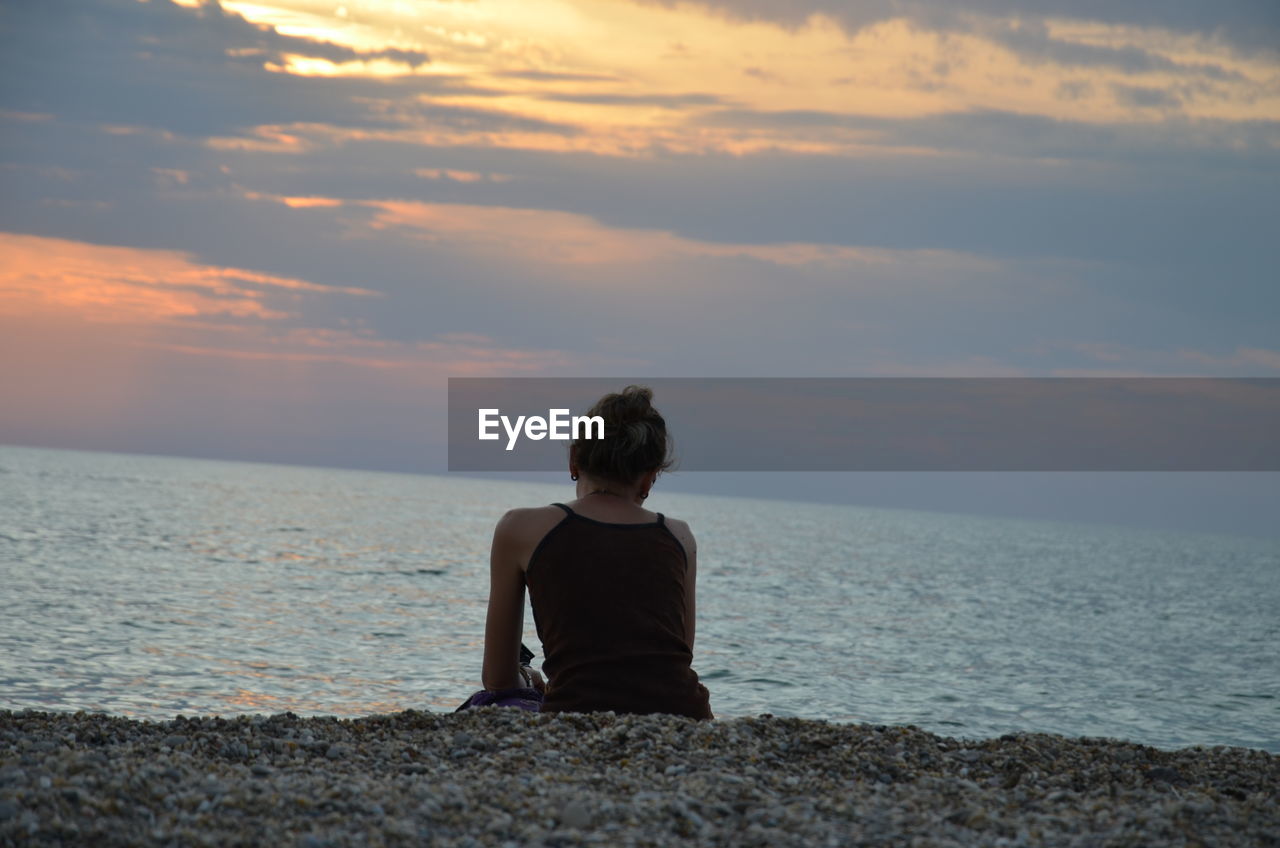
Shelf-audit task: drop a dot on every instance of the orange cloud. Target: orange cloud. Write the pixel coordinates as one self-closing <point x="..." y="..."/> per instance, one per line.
<point x="143" y="303"/>
<point x="132" y="285"/>
<point x="566" y="238"/>
<point x="311" y="202"/>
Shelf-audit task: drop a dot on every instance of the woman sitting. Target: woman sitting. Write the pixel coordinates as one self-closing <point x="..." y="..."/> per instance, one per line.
<point x="611" y="583"/>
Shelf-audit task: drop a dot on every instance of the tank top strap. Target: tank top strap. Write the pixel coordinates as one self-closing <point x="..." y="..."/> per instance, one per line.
<point x="662" y="520"/>
<point x="565" y="508"/>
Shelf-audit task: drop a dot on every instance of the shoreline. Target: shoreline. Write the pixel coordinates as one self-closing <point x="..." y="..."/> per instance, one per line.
<point x="498" y="776"/>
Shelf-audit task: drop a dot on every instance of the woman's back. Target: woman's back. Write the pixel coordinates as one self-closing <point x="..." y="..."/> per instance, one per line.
<point x="609" y="603"/>
<point x="613" y="586"/>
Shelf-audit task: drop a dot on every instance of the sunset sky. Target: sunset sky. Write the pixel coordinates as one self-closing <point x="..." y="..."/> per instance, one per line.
<point x="272" y="229"/>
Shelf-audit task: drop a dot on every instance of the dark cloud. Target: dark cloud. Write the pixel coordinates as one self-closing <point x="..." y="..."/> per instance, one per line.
<point x="1031" y="41"/>
<point x="762" y="74"/>
<point x="665" y="101"/>
<point x="1252" y="25"/>
<point x="1074" y="89"/>
<point x="556" y="76"/>
<point x="1128" y="202"/>
<point x="748" y="118"/>
<point x="1196" y="144"/>
<point x="1145" y="97"/>
<point x="1142" y="257"/>
<point x="200" y="72"/>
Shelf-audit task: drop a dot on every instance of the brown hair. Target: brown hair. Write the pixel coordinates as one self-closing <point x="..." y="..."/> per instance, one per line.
<point x="635" y="438"/>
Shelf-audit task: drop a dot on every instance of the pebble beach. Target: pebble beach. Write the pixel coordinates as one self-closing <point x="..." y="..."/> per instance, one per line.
<point x="499" y="776"/>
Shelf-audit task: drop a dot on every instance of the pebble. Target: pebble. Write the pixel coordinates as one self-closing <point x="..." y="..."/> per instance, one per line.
<point x="603" y="779"/>
<point x="576" y="814"/>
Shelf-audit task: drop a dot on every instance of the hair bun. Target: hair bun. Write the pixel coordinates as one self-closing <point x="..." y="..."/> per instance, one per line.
<point x="635" y="439"/>
<point x="634" y="403"/>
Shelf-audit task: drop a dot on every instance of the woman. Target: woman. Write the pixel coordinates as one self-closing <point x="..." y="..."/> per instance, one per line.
<point x="611" y="583"/>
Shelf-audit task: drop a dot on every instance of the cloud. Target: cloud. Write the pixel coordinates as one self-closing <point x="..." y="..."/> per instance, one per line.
<point x="994" y="132"/>
<point x="120" y="348"/>
<point x="666" y="101"/>
<point x="965" y="237"/>
<point x="1145" y="97"/>
<point x="203" y="72"/>
<point x="761" y="74"/>
<point x="566" y="239"/>
<point x="1251" y="358"/>
<point x="110" y="284"/>
<point x="1153" y="197"/>
<point x="1074" y="89"/>
<point x="1032" y="41"/>
<point x="1124" y="358"/>
<point x="1252" y="25"/>
<point x="554" y="76"/>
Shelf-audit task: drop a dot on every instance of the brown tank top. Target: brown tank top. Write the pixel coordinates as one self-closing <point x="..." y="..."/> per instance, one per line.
<point x="609" y="605"/>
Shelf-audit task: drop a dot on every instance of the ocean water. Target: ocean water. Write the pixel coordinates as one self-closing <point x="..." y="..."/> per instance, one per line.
<point x="151" y="586"/>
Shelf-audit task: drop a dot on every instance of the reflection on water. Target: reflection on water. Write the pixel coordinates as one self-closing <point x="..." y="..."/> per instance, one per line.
<point x="151" y="586"/>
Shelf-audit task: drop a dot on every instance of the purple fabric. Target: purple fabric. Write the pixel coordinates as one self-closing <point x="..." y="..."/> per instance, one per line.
<point x="525" y="699"/>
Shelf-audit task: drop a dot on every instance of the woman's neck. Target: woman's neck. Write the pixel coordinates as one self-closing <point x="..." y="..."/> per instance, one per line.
<point x="595" y="489"/>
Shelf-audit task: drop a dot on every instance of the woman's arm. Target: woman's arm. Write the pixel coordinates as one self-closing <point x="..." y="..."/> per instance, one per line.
<point x="504" y="622"/>
<point x="685" y="536"/>
<point x="691" y="591"/>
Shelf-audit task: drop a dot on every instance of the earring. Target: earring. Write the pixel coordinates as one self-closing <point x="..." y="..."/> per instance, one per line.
<point x="644" y="495"/>
<point x="573" y="477"/>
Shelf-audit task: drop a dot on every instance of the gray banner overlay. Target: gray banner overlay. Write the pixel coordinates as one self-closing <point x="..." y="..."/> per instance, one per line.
<point x="894" y="424"/>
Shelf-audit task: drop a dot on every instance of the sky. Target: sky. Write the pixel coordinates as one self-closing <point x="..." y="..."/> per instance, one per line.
<point x="272" y="230"/>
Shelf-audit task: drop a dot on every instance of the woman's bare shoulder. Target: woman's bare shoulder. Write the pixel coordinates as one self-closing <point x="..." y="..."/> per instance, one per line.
<point x="680" y="529"/>
<point x="524" y="523"/>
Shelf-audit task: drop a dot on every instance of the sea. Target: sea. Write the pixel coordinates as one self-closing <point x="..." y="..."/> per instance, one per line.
<point x="151" y="587"/>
